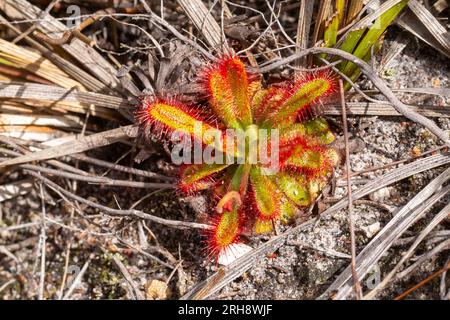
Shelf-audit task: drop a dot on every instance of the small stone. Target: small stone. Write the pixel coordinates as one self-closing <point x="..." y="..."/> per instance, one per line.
<point x="280" y="278"/>
<point x="236" y="250"/>
<point x="380" y="195"/>
<point x="372" y="229"/>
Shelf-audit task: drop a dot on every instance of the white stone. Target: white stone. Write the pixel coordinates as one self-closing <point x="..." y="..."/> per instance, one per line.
<point x="233" y="252"/>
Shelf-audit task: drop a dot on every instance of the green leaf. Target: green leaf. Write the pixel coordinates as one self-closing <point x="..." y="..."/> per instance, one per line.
<point x="350" y="43"/>
<point x="303" y="95"/>
<point x="314" y="132"/>
<point x="314" y="161"/>
<point x="263" y="226"/>
<point x="331" y="30"/>
<point x="373" y="34"/>
<point x="198" y="177"/>
<point x="357" y="72"/>
<point x="340" y="10"/>
<point x="288" y="210"/>
<point x="295" y="187"/>
<point x="239" y="181"/>
<point x="265" y="194"/>
<point x="226" y="232"/>
<point x="227" y="85"/>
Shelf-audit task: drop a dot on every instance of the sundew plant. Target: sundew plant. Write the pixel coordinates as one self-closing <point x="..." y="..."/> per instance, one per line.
<point x="271" y="155"/>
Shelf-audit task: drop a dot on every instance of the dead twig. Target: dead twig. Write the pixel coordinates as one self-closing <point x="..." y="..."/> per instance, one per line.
<point x="119" y="212"/>
<point x="79" y="145"/>
<point x="138" y="294"/>
<point x="401" y="221"/>
<point x="97" y="179"/>
<point x="442" y="287"/>
<point x="77" y="280"/>
<point x="442" y="246"/>
<point x="43" y="243"/>
<point x="436" y="220"/>
<point x="65" y="38"/>
<point x="36" y="25"/>
<point x="351" y="220"/>
<point x="423" y="282"/>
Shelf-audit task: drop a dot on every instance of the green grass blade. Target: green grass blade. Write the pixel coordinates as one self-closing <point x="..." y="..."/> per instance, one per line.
<point x="373" y="34"/>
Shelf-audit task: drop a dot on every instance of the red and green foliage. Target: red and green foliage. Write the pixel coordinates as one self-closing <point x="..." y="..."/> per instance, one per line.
<point x="246" y="198"/>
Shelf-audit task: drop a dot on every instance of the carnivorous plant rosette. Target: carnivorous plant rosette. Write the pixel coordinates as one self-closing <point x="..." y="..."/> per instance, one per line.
<point x="249" y="192"/>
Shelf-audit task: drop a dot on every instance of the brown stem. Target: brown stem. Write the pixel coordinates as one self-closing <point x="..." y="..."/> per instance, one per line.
<point x="356" y="283"/>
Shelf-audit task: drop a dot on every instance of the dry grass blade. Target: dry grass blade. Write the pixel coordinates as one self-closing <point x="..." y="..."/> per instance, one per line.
<point x="402" y="220"/>
<point x="421" y="23"/>
<point x="354" y="8"/>
<point x="75" y="72"/>
<point x="436" y="220"/>
<point x="81" y="144"/>
<point x="67" y="121"/>
<point x="431" y="23"/>
<point x="77" y="280"/>
<point x="379" y="109"/>
<point x="24" y="106"/>
<point x="35" y="63"/>
<point x="86" y="55"/>
<point x="428" y="279"/>
<point x="96" y="179"/>
<point x="117" y="212"/>
<point x="132" y="284"/>
<point x="439" y="6"/>
<point x="8" y="73"/>
<point x="395" y="49"/>
<point x="27" y="97"/>
<point x="322" y="16"/>
<point x="432" y="91"/>
<point x="227" y="274"/>
<point x="203" y="21"/>
<point x="84" y="158"/>
<point x="442" y="246"/>
<point x="31" y="132"/>
<point x="42" y="92"/>
<point x="303" y="28"/>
